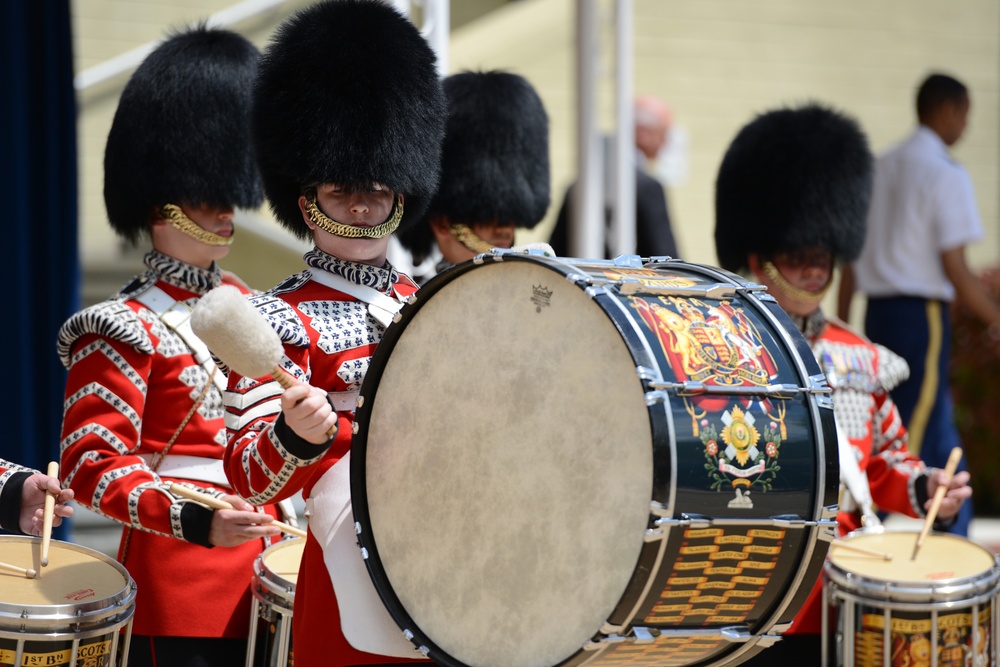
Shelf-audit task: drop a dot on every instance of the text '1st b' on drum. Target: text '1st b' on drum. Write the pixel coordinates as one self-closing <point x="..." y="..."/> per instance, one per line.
<point x="76" y="613"/>
<point x="588" y="462"/>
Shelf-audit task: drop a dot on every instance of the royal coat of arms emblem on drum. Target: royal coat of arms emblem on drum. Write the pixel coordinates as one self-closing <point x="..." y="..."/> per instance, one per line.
<point x="714" y="343"/>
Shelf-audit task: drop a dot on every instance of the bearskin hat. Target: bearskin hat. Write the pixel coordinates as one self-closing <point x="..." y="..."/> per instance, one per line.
<point x="495" y="158"/>
<point x="792" y="179"/>
<point x="348" y="93"/>
<point x="181" y="132"/>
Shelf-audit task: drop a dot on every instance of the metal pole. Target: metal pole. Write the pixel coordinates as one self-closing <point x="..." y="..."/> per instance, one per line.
<point x="623" y="193"/>
<point x="586" y="229"/>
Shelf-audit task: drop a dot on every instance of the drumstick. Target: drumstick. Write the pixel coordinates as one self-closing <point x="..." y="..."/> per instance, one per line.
<point x="949" y="472"/>
<point x="30" y="574"/>
<point x="219" y="504"/>
<point x="48" y="513"/>
<point x="861" y="550"/>
<point x="226" y="322"/>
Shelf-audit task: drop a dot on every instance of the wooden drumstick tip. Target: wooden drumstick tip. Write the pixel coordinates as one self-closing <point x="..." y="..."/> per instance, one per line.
<point x="48" y="513"/>
<point x="28" y="573"/>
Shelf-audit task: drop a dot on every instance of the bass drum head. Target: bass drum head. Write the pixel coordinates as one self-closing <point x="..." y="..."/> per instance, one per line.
<point x="504" y="450"/>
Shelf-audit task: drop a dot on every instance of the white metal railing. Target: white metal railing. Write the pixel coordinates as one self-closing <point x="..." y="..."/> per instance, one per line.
<point x="435" y="29"/>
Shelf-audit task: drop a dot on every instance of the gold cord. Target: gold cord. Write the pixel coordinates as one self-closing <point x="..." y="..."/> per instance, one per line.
<point x="771" y="271"/>
<point x="464" y="235"/>
<point x="177" y="218"/>
<point x="157" y="459"/>
<point x="327" y="224"/>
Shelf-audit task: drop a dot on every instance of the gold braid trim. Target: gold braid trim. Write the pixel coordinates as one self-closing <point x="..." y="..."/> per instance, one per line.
<point x="179" y="220"/>
<point x="464" y="235"/>
<point x="327" y="224"/>
<point x="771" y="271"/>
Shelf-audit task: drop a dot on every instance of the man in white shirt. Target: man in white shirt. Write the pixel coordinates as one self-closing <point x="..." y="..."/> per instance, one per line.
<point x="923" y="214"/>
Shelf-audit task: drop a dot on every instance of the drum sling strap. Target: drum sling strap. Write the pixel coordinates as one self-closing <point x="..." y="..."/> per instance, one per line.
<point x="364" y="619"/>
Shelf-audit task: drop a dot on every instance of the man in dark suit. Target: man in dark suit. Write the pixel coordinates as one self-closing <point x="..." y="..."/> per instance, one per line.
<point x="653" y="233"/>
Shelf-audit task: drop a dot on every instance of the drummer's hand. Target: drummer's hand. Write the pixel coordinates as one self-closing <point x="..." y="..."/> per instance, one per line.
<point x="33" y="495"/>
<point x="241" y="524"/>
<point x="308" y="412"/>
<point x="958" y="491"/>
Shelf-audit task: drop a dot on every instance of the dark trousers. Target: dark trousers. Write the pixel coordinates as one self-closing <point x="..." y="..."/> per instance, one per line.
<point x="146" y="651"/>
<point x="919" y="330"/>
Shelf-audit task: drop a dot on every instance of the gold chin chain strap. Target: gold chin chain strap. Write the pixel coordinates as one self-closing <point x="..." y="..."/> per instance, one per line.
<point x="327" y="224"/>
<point x="179" y="220"/>
<point x="464" y="235"/>
<point x="771" y="271"/>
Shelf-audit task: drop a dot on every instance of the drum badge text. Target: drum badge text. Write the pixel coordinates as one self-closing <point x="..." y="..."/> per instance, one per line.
<point x="541" y="296"/>
<point x="715" y="344"/>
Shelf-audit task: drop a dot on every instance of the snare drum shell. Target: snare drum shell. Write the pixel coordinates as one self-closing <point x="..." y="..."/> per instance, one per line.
<point x="705" y="448"/>
<point x="81" y="596"/>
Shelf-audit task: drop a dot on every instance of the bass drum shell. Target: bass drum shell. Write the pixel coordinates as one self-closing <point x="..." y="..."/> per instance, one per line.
<point x="562" y="462"/>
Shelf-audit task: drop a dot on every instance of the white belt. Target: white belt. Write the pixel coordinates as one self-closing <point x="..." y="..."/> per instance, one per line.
<point x="198" y="468"/>
<point x="383" y="308"/>
<point x="177" y="316"/>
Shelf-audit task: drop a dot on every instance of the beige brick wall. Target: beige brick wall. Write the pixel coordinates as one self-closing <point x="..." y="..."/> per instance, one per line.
<point x="717" y="61"/>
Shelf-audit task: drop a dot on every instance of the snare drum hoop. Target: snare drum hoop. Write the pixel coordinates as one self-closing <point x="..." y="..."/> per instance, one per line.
<point x="269" y="588"/>
<point x="911" y="595"/>
<point x="70" y="621"/>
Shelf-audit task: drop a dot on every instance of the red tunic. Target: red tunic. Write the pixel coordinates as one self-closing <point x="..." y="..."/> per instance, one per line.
<point x="132" y="381"/>
<point x="861" y="374"/>
<point x="328" y="338"/>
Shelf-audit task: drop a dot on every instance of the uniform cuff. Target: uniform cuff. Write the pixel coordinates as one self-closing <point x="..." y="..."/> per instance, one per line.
<point x="196" y="522"/>
<point x="10" y="502"/>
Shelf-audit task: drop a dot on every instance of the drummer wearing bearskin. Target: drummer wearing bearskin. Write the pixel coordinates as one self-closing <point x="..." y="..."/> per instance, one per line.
<point x="348" y="123"/>
<point x="791" y="199"/>
<point x="494" y="170"/>
<point x="143" y="402"/>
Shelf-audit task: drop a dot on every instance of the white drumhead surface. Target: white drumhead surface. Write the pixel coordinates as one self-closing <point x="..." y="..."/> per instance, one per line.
<point x="283" y="559"/>
<point x="71" y="577"/>
<point x="940" y="557"/>
<point x="509" y="467"/>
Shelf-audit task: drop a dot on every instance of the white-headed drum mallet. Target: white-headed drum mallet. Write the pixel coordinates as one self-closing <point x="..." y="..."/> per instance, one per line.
<point x="243" y="340"/>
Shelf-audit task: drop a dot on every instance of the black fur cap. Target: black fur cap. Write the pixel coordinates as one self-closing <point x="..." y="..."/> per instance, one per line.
<point x="495" y="159"/>
<point x="181" y="132"/>
<point x="348" y="93"/>
<point x="793" y="178"/>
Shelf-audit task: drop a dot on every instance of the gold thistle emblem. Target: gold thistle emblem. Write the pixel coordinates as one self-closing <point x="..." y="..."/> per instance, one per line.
<point x="741" y="436"/>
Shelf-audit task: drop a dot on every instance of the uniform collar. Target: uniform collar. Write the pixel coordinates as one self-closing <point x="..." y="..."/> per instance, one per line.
<point x="812" y="325"/>
<point x="381" y="278"/>
<point x="181" y="274"/>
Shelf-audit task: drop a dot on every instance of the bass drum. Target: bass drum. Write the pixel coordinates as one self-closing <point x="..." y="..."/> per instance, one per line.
<point x="569" y="462"/>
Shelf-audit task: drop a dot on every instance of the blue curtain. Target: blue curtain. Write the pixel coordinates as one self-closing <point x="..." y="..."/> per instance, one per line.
<point x="39" y="274"/>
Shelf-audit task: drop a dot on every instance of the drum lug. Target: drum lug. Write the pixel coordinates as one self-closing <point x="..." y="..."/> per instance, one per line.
<point x="654" y="397"/>
<point x="648" y="374"/>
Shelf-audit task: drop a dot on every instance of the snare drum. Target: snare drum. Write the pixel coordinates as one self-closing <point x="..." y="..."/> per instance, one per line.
<point x="275" y="572"/>
<point x="77" y="613"/>
<point x="568" y="462"/>
<point x="937" y="610"/>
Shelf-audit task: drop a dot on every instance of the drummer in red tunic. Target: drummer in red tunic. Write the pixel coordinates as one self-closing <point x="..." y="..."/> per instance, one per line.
<point x="22" y="499"/>
<point x="143" y="401"/>
<point x="348" y="122"/>
<point x="791" y="199"/>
